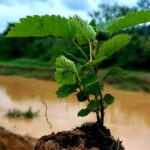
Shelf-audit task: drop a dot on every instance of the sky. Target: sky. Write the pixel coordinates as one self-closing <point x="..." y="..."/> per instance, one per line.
<point x="12" y="10"/>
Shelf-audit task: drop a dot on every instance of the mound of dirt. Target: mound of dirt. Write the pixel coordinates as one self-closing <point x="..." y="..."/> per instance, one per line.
<point x="88" y="137"/>
<point x="10" y="141"/>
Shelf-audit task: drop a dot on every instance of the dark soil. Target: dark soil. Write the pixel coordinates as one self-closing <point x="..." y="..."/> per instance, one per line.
<point x="87" y="137"/>
<point x="11" y="141"/>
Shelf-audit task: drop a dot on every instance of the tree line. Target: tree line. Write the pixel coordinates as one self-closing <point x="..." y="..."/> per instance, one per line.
<point x="135" y="56"/>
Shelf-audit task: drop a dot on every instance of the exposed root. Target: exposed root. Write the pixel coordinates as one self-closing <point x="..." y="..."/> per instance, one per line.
<point x="46" y="116"/>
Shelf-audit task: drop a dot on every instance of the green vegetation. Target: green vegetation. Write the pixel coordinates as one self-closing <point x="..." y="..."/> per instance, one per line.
<point x="45" y="73"/>
<point x="26" y="63"/>
<point x="34" y="68"/>
<point x="130" y="83"/>
<point x="133" y="81"/>
<point x="79" y="73"/>
<point x="135" y="56"/>
<point x="16" y="113"/>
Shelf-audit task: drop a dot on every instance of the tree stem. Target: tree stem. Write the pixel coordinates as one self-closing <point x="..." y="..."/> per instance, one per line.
<point x="80" y="50"/>
<point x="90" y="51"/>
<point x="97" y="111"/>
<point x="102" y="106"/>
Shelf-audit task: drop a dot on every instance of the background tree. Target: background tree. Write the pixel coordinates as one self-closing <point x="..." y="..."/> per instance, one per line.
<point x="137" y="53"/>
<point x="42" y="48"/>
<point x="107" y="11"/>
<point x="143" y="4"/>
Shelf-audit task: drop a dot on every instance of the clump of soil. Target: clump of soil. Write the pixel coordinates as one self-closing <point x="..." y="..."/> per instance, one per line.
<point x="87" y="137"/>
<point x="11" y="141"/>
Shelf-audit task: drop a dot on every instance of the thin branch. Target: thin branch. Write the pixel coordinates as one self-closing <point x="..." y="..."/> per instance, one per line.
<point x="102" y="106"/>
<point x="50" y="125"/>
<point x="90" y="51"/>
<point x="89" y="100"/>
<point x="80" y="88"/>
<point x="80" y="49"/>
<point x="97" y="111"/>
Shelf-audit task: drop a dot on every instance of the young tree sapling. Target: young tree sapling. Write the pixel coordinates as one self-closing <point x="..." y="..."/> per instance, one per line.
<point x="94" y="43"/>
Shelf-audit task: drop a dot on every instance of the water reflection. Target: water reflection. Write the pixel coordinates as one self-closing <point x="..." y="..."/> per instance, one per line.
<point x="132" y="106"/>
<point x="19" y="88"/>
<point x="128" y="117"/>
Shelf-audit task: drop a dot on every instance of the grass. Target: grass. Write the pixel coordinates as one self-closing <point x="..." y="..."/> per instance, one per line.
<point x="25" y="62"/>
<point x="35" y="68"/>
<point x="134" y="81"/>
<point x="16" y="113"/>
<point x="131" y="83"/>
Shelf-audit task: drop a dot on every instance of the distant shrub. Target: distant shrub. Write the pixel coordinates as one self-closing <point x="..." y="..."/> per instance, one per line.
<point x="16" y="113"/>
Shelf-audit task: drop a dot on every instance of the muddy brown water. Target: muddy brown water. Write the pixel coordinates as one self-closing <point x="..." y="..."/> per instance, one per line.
<point x="128" y="118"/>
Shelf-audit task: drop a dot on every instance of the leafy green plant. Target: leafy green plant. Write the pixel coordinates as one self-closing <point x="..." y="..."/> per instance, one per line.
<point x="16" y="113"/>
<point x="94" y="42"/>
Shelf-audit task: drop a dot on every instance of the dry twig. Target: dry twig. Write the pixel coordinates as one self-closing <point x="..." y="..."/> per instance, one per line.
<point x="41" y="98"/>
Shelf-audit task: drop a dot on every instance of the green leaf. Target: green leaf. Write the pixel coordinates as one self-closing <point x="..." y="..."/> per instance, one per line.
<point x="95" y="62"/>
<point x="108" y="99"/>
<point x="64" y="77"/>
<point x="92" y="89"/>
<point x="66" y="90"/>
<point x="102" y="26"/>
<point x="94" y="105"/>
<point x="82" y="96"/>
<point x="43" y="26"/>
<point x="84" y="31"/>
<point x="76" y="59"/>
<point x="131" y="19"/>
<point x="65" y="63"/>
<point x="91" y="84"/>
<point x="116" y="72"/>
<point x="90" y="80"/>
<point x="83" y="112"/>
<point x="113" y="45"/>
<point x="93" y="23"/>
<point x="105" y="105"/>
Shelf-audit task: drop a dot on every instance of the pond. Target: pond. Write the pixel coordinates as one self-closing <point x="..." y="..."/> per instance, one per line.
<point x="128" y="118"/>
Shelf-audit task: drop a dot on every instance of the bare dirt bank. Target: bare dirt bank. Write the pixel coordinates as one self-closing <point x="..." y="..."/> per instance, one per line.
<point x="11" y="141"/>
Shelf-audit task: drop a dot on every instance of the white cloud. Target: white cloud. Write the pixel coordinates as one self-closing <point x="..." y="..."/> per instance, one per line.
<point x="12" y="13"/>
<point x="12" y="10"/>
<point x="94" y="4"/>
<point x="128" y="2"/>
<point x="121" y="2"/>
